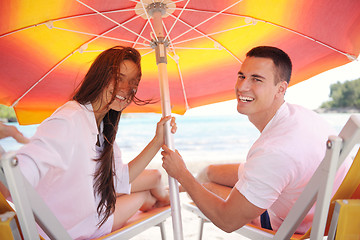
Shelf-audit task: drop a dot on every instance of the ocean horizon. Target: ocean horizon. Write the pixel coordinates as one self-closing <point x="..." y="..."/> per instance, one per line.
<point x="198" y="138"/>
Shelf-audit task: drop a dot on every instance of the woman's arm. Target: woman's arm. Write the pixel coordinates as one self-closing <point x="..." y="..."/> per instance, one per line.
<point x="12" y="131"/>
<point x="139" y="163"/>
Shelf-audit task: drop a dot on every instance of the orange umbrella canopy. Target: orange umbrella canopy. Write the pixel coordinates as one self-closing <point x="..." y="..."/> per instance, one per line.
<point x="46" y="47"/>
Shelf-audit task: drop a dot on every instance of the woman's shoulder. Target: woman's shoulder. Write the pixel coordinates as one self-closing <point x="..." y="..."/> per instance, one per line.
<point x="71" y="110"/>
<point x="70" y="118"/>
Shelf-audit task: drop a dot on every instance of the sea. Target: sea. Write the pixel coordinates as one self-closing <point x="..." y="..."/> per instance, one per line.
<point x="198" y="138"/>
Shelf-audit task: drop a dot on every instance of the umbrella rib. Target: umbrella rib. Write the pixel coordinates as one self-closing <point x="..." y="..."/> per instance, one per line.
<point x="214" y="33"/>
<point x="101" y="50"/>
<point x="148" y="19"/>
<point x="208" y="19"/>
<point x="80" y="49"/>
<point x="97" y="35"/>
<point x="167" y="33"/>
<point x="143" y="48"/>
<point x="42" y="78"/>
<point x="210" y="38"/>
<point x="91" y="14"/>
<point x="195" y="48"/>
<point x="177" y="18"/>
<point x="102" y="35"/>
<point x="142" y="30"/>
<point x="182" y="81"/>
<point x="106" y="32"/>
<point x="183" y="86"/>
<point x="152" y="50"/>
<point x="178" y="66"/>
<point x="110" y="19"/>
<point x="18" y="30"/>
<point x="64" y="18"/>
<point x="350" y="56"/>
<point x="178" y="1"/>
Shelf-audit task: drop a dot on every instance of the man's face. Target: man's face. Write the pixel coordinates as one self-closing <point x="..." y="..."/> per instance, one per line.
<point x="255" y="87"/>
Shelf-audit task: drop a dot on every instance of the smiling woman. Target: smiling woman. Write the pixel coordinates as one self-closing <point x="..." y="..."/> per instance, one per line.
<point x="77" y="145"/>
<point x="121" y="90"/>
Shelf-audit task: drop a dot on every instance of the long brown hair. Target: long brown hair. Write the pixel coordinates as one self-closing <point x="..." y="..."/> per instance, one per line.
<point x="104" y="70"/>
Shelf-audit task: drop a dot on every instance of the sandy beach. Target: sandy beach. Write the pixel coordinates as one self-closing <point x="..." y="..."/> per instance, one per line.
<point x="191" y="225"/>
<point x="190" y="222"/>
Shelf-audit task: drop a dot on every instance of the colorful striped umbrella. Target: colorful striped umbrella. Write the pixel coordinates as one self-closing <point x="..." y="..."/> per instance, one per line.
<point x="47" y="46"/>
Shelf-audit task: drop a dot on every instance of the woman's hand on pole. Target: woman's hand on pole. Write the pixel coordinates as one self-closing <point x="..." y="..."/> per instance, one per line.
<point x="160" y="129"/>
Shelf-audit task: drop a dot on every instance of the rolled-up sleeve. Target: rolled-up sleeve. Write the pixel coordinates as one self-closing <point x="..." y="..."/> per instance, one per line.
<point x="263" y="178"/>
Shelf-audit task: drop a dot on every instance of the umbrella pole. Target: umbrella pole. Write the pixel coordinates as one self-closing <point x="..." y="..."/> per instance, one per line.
<point x="161" y="60"/>
<point x="169" y="140"/>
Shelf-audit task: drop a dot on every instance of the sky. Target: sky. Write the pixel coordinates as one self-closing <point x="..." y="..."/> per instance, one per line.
<point x="310" y="93"/>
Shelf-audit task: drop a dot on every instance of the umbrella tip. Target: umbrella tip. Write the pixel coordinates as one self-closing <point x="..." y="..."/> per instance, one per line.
<point x="250" y="20"/>
<point x="218" y="46"/>
<point x="351" y="57"/>
<point x="49" y="24"/>
<point x="176" y="58"/>
<point x="83" y="48"/>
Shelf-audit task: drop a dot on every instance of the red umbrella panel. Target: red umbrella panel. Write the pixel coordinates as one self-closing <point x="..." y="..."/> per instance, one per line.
<point x="46" y="47"/>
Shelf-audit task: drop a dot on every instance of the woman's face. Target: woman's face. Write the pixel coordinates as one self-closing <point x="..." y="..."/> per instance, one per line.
<point x="128" y="83"/>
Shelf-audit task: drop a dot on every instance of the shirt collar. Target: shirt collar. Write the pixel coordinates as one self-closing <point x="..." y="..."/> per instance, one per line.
<point x="280" y="112"/>
<point x="89" y="112"/>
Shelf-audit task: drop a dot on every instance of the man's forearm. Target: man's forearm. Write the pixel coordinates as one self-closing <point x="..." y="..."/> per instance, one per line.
<point x="211" y="205"/>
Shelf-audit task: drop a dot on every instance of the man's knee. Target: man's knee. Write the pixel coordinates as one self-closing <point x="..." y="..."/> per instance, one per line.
<point x="223" y="174"/>
<point x="208" y="173"/>
<point x="203" y="176"/>
<point x="211" y="172"/>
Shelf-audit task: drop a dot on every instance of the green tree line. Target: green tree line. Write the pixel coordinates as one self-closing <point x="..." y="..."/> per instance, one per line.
<point x="344" y="95"/>
<point x="7" y="113"/>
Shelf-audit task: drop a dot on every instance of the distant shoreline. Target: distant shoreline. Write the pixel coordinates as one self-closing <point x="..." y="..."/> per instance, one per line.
<point x="8" y="120"/>
<point x="338" y="110"/>
<point x="319" y="110"/>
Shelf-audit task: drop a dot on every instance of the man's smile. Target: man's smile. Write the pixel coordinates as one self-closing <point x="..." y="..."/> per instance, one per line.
<point x="245" y="99"/>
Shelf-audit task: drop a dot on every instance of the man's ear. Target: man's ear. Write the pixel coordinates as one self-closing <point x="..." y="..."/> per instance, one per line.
<point x="282" y="86"/>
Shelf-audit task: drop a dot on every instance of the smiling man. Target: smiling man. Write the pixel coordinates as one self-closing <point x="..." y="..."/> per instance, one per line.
<point x="279" y="164"/>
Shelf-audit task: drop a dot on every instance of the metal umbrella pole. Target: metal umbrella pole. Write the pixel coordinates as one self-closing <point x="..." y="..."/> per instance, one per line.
<point x="156" y="10"/>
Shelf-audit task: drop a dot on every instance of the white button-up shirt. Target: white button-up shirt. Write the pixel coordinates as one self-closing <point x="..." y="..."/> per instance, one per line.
<point x="59" y="163"/>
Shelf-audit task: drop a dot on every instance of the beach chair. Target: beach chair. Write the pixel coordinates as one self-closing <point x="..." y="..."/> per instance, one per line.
<point x="318" y="189"/>
<point x="345" y="221"/>
<point x="32" y="211"/>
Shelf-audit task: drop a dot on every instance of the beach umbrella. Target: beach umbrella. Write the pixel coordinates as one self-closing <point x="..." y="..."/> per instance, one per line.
<point x="194" y="47"/>
<point x="47" y="46"/>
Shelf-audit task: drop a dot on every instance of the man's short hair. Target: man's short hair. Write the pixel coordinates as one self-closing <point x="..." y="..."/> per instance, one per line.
<point x="281" y="61"/>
